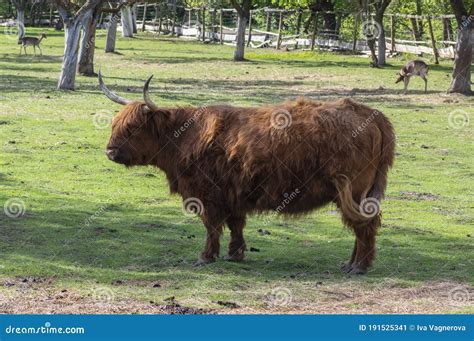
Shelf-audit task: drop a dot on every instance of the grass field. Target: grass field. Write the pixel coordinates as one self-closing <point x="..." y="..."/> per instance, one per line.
<point x="96" y="237"/>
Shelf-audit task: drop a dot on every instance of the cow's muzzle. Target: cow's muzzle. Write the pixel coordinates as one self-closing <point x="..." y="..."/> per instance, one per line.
<point x="118" y="156"/>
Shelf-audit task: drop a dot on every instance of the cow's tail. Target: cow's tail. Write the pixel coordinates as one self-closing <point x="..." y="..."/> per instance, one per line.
<point x="369" y="205"/>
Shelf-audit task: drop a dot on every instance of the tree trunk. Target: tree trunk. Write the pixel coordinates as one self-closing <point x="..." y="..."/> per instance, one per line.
<point x="240" y="38"/>
<point x="447" y="29"/>
<point x="72" y="31"/>
<point x="134" y="18"/>
<point x="461" y="82"/>
<point x="127" y="22"/>
<point x="85" y="66"/>
<point x="20" y="18"/>
<point x="381" y="46"/>
<point x="111" y="34"/>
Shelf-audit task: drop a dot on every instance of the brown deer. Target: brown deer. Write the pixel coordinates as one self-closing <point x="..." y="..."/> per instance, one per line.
<point x="413" y="68"/>
<point x="26" y="41"/>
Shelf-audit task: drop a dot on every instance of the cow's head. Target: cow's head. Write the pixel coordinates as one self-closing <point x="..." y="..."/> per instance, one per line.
<point x="134" y="139"/>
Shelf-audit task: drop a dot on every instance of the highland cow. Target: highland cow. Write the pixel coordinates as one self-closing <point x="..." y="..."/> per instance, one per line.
<point x="227" y="162"/>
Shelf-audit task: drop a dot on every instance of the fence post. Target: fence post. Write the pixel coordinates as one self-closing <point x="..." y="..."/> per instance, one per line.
<point x="51" y="16"/>
<point x="144" y="16"/>
<point x="268" y="24"/>
<point x="203" y="24"/>
<point x="355" y="33"/>
<point x="315" y="29"/>
<point x="298" y="26"/>
<point x="280" y="26"/>
<point x="433" y="41"/>
<point x="392" y="32"/>
<point x="221" y="31"/>
<point x="173" y="24"/>
<point x="250" y="30"/>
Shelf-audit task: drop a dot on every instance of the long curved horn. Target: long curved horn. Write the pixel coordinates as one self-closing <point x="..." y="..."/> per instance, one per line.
<point x="110" y="95"/>
<point x="146" y="96"/>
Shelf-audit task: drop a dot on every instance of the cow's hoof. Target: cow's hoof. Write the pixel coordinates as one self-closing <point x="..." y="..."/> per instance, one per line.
<point x="234" y="257"/>
<point x="346" y="267"/>
<point x="358" y="270"/>
<point x="203" y="261"/>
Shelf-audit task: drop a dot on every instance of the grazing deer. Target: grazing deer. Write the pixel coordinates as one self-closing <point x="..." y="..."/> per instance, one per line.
<point x="413" y="68"/>
<point x="25" y="41"/>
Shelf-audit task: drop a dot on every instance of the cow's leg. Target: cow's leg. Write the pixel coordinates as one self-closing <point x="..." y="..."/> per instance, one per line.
<point x="364" y="249"/>
<point x="347" y="266"/>
<point x="213" y="225"/>
<point x="237" y="243"/>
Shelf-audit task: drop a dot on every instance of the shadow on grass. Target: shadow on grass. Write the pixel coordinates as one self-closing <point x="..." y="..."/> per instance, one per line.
<point x="75" y="236"/>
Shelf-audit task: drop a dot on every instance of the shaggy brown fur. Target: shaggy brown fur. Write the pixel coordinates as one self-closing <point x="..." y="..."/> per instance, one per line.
<point x="236" y="162"/>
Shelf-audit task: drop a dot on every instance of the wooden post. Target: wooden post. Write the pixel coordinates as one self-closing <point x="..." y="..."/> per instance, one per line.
<point x="298" y="25"/>
<point x="315" y="30"/>
<point x="433" y="41"/>
<point x="250" y="29"/>
<point x="356" y="32"/>
<point x="50" y="16"/>
<point x="221" y="33"/>
<point x="160" y="21"/>
<point x="144" y="16"/>
<point x="190" y="11"/>
<point x="173" y="24"/>
<point x="268" y="24"/>
<point x="203" y="23"/>
<point x="392" y="32"/>
<point x="280" y="26"/>
<point x="214" y="28"/>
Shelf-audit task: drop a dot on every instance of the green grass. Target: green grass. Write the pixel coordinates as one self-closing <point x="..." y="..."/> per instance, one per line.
<point x="90" y="223"/>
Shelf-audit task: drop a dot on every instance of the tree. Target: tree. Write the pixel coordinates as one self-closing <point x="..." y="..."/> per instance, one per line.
<point x="377" y="31"/>
<point x="73" y="17"/>
<point x="461" y="82"/>
<point x="127" y="21"/>
<point x="20" y="6"/>
<point x="243" y="12"/>
<point x="85" y="65"/>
